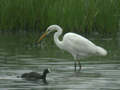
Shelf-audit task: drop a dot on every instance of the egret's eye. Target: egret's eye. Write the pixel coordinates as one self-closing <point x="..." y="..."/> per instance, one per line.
<point x="48" y="30"/>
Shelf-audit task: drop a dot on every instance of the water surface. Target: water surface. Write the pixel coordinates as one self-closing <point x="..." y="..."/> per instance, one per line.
<point x="18" y="57"/>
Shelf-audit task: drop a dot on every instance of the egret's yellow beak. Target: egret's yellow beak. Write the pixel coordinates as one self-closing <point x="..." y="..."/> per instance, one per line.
<point x="42" y="36"/>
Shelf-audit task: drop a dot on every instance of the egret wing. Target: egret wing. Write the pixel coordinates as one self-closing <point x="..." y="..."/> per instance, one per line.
<point x="79" y="44"/>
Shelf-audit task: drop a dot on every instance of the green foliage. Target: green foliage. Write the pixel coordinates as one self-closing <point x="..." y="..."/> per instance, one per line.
<point x="73" y="15"/>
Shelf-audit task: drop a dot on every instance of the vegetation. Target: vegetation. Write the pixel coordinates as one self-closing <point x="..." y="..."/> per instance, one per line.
<point x="78" y="15"/>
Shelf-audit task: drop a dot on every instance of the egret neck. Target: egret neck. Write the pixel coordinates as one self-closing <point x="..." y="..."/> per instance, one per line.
<point x="56" y="37"/>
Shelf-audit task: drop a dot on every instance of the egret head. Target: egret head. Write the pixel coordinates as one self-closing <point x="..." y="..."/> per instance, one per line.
<point x="50" y="29"/>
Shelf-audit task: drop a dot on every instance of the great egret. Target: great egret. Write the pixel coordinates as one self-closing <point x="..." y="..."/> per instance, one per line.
<point x="75" y="44"/>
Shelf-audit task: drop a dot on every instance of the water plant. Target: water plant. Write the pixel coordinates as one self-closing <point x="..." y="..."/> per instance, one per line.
<point x="73" y="15"/>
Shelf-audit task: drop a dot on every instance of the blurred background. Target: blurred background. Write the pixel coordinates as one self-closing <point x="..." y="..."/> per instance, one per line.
<point x="79" y="16"/>
<point x="23" y="21"/>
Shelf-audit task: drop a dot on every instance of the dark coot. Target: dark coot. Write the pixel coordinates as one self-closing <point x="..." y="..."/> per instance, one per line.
<point x="33" y="76"/>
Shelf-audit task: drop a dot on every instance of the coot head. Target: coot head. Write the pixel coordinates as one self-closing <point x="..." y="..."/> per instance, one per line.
<point x="46" y="71"/>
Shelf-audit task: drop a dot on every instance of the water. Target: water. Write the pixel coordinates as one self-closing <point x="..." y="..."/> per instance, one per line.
<point x="18" y="57"/>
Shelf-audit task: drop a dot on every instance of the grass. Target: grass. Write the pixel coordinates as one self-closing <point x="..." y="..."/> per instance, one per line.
<point x="74" y="15"/>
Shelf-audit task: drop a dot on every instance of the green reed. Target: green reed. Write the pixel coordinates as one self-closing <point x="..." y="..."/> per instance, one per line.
<point x="73" y="15"/>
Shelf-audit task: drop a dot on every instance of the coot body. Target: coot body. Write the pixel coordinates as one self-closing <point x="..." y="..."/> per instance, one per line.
<point x="33" y="76"/>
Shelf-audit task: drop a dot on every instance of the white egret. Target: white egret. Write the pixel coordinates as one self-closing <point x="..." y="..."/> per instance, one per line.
<point x="75" y="44"/>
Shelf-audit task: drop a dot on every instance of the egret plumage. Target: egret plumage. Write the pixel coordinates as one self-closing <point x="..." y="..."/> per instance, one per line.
<point x="77" y="45"/>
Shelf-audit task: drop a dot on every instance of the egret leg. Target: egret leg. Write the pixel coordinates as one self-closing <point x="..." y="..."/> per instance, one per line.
<point x="75" y="65"/>
<point x="79" y="65"/>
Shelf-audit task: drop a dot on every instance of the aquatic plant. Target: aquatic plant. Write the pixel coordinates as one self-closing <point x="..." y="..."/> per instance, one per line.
<point x="73" y="15"/>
